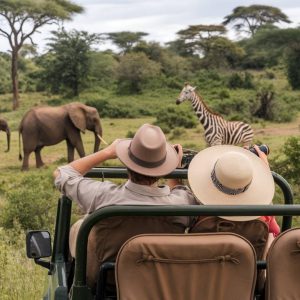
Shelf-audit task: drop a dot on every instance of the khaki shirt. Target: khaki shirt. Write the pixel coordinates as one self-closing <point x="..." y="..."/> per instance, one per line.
<point x="92" y="195"/>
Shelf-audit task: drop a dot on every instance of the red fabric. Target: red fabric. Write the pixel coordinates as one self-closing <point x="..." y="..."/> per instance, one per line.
<point x="272" y="223"/>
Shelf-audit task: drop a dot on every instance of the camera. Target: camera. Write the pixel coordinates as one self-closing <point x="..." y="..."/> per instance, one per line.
<point x="187" y="157"/>
<point x="264" y="148"/>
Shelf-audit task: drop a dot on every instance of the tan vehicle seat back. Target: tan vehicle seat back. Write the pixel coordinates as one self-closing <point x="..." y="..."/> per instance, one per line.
<point x="191" y="266"/>
<point x="108" y="235"/>
<point x="283" y="267"/>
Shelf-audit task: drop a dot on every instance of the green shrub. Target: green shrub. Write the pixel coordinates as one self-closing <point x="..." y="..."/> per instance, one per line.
<point x="112" y="110"/>
<point x="30" y="202"/>
<point x="177" y="132"/>
<point x="171" y="117"/>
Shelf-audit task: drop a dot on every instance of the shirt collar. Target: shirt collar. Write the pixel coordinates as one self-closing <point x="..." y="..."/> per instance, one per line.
<point x="147" y="190"/>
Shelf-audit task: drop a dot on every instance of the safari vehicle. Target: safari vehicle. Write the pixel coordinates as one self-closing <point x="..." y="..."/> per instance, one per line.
<point x="38" y="243"/>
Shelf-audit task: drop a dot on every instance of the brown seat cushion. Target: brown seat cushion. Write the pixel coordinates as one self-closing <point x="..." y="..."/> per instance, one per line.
<point x="192" y="266"/>
<point x="108" y="235"/>
<point x="283" y="271"/>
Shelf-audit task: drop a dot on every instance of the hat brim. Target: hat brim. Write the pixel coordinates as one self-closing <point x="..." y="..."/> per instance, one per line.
<point x="165" y="168"/>
<point x="260" y="191"/>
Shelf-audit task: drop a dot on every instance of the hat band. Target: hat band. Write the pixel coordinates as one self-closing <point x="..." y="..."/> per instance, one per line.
<point x="146" y="164"/>
<point x="225" y="189"/>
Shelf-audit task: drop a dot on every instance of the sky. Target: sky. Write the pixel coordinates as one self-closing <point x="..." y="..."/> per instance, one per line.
<point x="160" y="18"/>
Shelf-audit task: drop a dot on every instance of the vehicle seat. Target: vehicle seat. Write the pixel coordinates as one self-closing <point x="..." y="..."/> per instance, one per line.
<point x="283" y="266"/>
<point x="108" y="235"/>
<point x="210" y="266"/>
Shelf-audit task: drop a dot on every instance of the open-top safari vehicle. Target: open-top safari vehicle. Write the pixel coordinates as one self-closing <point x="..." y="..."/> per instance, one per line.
<point x="186" y="279"/>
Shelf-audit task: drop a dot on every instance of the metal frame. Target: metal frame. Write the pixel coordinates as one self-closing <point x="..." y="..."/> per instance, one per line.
<point x="80" y="289"/>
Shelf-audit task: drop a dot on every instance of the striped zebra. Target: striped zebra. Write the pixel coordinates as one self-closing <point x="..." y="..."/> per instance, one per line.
<point x="217" y="130"/>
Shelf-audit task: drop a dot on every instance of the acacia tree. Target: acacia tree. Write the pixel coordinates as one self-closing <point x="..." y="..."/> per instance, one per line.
<point x="22" y="19"/>
<point x="198" y="38"/>
<point x="250" y="18"/>
<point x="126" y="40"/>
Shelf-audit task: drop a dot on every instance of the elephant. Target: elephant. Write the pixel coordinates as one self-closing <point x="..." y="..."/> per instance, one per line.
<point x="4" y="127"/>
<point x="45" y="126"/>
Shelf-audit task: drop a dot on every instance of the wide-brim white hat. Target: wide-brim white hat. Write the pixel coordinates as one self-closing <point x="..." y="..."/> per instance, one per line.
<point x="230" y="175"/>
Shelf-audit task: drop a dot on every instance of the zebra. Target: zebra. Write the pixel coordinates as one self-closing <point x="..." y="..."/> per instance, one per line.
<point x="217" y="130"/>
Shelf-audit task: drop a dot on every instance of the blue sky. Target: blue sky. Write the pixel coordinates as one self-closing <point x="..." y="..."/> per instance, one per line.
<point x="160" y="18"/>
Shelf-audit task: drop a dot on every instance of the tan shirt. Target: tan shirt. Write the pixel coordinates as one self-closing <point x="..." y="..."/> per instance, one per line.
<point x="92" y="195"/>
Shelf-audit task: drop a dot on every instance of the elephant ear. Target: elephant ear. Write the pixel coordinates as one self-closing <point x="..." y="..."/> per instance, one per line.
<point x="77" y="116"/>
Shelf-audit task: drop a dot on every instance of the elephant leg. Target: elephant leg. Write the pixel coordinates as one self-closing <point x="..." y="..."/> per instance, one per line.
<point x="25" y="165"/>
<point x="38" y="158"/>
<point x="79" y="148"/>
<point x="70" y="151"/>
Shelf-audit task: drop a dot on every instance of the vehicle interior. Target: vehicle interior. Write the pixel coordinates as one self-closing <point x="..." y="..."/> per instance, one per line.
<point x="170" y="262"/>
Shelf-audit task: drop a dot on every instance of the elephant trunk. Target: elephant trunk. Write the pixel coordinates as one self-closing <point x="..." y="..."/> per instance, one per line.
<point x="98" y="131"/>
<point x="8" y="139"/>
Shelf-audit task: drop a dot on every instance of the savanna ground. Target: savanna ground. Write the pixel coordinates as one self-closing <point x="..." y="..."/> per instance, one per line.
<point x="28" y="199"/>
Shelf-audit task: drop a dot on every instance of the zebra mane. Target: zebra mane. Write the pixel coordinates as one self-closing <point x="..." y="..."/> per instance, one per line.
<point x="206" y="107"/>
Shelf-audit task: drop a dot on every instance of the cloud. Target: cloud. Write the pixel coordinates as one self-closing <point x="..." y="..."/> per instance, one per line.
<point x="160" y="18"/>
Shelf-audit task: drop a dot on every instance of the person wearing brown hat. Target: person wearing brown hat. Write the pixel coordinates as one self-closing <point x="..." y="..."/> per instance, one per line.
<point x="147" y="157"/>
<point x="231" y="175"/>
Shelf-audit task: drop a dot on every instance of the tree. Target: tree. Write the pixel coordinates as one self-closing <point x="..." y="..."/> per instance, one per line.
<point x="136" y="69"/>
<point x="23" y="18"/>
<point x="198" y="38"/>
<point x="67" y="65"/>
<point x="281" y="43"/>
<point x="250" y="18"/>
<point x="125" y="40"/>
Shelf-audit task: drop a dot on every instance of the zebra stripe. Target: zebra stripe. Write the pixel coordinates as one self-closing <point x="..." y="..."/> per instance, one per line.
<point x="216" y="129"/>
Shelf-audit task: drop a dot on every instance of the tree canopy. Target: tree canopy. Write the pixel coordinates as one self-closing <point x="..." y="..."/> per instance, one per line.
<point x="125" y="40"/>
<point x="23" y="18"/>
<point x="250" y="18"/>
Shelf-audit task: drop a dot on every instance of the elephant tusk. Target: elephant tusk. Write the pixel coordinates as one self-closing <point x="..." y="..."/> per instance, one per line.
<point x="101" y="139"/>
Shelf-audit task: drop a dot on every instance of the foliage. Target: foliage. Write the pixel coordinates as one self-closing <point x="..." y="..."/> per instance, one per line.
<point x="200" y="38"/>
<point x="134" y="71"/>
<point x="293" y="65"/>
<point x="240" y="80"/>
<point x="125" y="40"/>
<point x="68" y="64"/>
<point x="172" y="117"/>
<point x="289" y="165"/>
<point x="23" y="19"/>
<point x="29" y="202"/>
<point x="5" y="83"/>
<point x="250" y="18"/>
<point x="103" y="69"/>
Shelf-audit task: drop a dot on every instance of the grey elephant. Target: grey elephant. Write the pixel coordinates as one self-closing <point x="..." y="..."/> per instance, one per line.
<point x="4" y="127"/>
<point x="45" y="126"/>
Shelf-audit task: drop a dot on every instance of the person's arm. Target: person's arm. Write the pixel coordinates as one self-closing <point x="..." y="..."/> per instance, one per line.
<point x="173" y="182"/>
<point x="261" y="155"/>
<point x="84" y="164"/>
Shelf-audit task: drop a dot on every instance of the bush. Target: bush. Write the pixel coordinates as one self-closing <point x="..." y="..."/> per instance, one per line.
<point x="242" y="81"/>
<point x="171" y="117"/>
<point x="289" y="165"/>
<point x="113" y="110"/>
<point x="30" y="203"/>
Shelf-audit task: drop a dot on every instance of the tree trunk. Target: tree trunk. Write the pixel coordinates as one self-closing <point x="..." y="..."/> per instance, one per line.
<point x="15" y="79"/>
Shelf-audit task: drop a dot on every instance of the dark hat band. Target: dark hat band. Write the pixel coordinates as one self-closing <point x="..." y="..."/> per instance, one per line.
<point x="144" y="163"/>
<point x="225" y="189"/>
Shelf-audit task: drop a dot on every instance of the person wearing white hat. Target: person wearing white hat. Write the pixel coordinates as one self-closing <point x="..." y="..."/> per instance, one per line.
<point x="231" y="175"/>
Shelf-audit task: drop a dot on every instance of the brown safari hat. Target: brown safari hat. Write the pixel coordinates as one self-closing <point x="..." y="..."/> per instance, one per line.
<point x="230" y="175"/>
<point x="148" y="152"/>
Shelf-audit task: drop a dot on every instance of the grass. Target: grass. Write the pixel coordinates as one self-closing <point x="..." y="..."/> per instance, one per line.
<point x="18" y="272"/>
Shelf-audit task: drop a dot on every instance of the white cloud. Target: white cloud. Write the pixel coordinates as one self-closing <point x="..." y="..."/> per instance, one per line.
<point x="160" y="18"/>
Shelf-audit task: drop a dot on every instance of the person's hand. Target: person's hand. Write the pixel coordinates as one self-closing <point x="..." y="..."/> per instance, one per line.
<point x="179" y="150"/>
<point x="111" y="149"/>
<point x="261" y="155"/>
